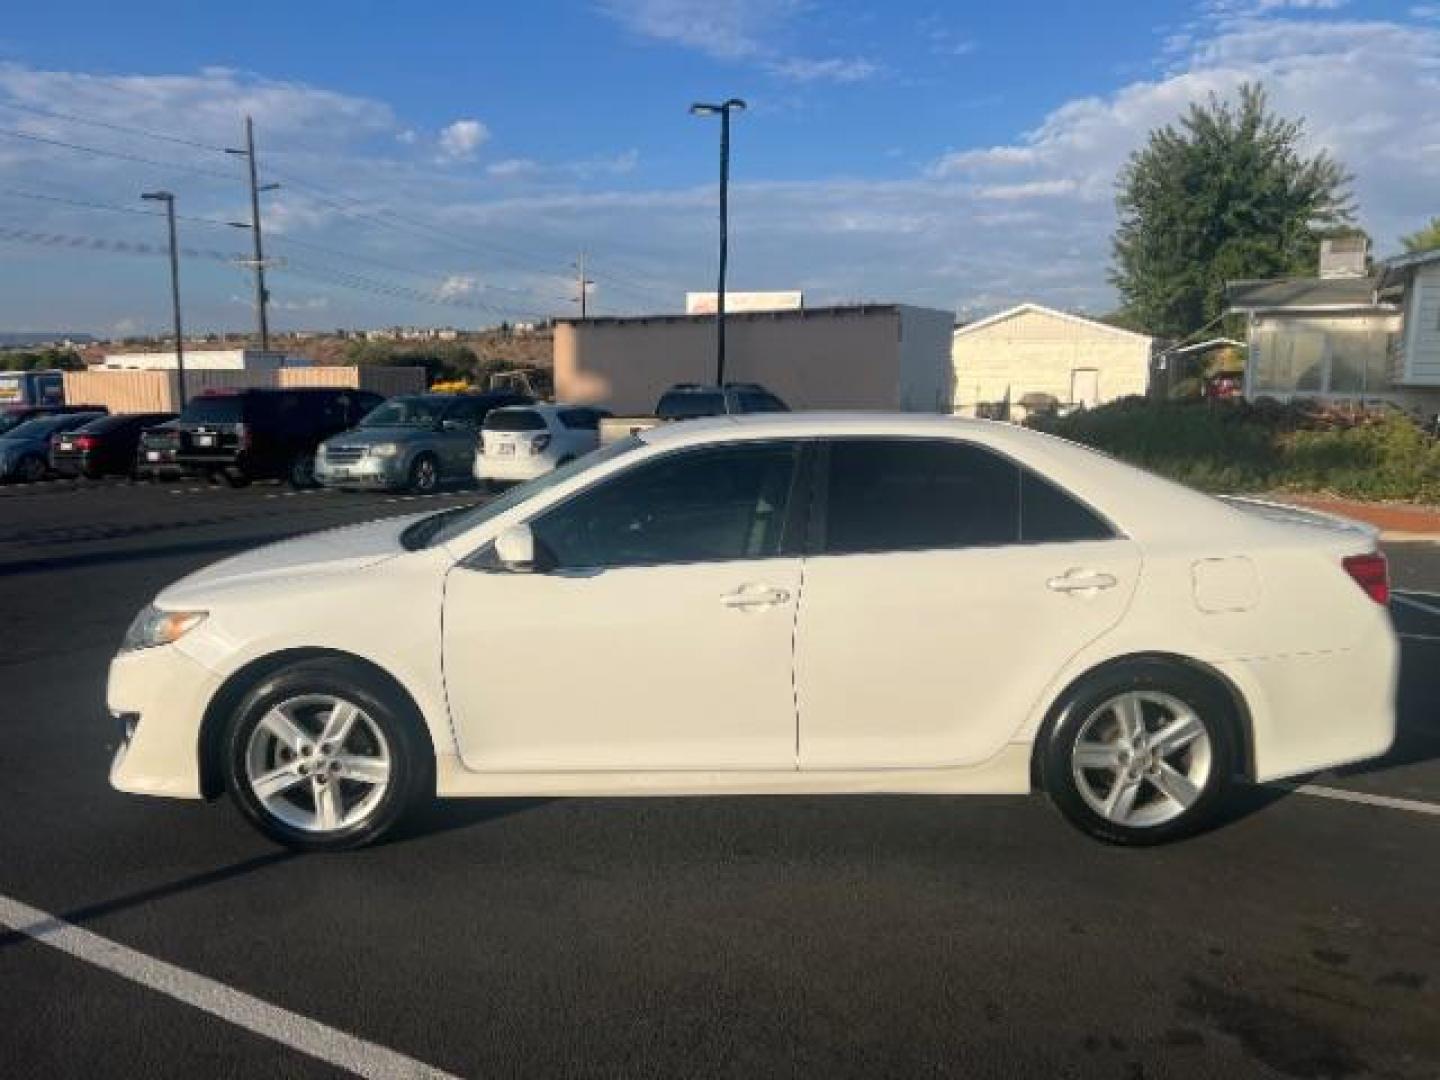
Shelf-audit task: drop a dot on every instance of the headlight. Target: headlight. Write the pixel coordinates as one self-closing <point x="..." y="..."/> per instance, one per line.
<point x="155" y="627"/>
<point x="385" y="449"/>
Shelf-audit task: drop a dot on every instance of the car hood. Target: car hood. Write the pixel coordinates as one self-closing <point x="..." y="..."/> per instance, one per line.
<point x="333" y="551"/>
<point x="371" y="436"/>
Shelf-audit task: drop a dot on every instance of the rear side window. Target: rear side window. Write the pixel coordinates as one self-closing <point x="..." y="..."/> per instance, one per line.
<point x="918" y="494"/>
<point x="1048" y="515"/>
<point x="514" y="420"/>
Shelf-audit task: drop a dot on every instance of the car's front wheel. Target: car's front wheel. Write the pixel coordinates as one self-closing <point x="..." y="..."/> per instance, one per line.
<point x="1142" y="754"/>
<point x="424" y="476"/>
<point x="321" y="756"/>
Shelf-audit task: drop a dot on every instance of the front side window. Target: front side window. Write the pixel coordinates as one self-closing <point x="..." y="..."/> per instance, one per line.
<point x="915" y="494"/>
<point x="709" y="505"/>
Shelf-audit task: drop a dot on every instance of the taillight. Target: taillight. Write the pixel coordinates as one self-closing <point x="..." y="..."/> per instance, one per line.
<point x="1372" y="573"/>
<point x="85" y="442"/>
<point x="242" y="434"/>
<point x="539" y="443"/>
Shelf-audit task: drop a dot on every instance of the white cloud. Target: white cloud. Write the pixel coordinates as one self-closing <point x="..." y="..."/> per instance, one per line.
<point x="737" y="30"/>
<point x="725" y="29"/>
<point x="835" y="69"/>
<point x="461" y="140"/>
<point x="530" y="170"/>
<point x="513" y="168"/>
<point x="456" y="285"/>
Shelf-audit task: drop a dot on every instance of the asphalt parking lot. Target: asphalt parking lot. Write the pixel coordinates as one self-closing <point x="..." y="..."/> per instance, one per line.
<point x="878" y="935"/>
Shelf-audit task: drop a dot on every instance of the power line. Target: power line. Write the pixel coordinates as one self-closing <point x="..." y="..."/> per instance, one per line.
<point x="61" y="143"/>
<point x="122" y="128"/>
<point x="116" y="208"/>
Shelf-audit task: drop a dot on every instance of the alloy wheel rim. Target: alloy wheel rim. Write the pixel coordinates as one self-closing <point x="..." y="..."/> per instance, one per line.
<point x="1141" y="758"/>
<point x="318" y="763"/>
<point x="425" y="474"/>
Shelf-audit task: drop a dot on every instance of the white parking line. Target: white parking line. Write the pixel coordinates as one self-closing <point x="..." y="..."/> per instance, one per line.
<point x="297" y="1032"/>
<point x="1389" y="802"/>
<point x="1409" y="601"/>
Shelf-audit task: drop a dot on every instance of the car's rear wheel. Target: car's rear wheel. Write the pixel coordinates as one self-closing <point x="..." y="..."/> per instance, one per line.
<point x="32" y="468"/>
<point x="1142" y="754"/>
<point x="424" y="475"/>
<point x="302" y="470"/>
<point x="321" y="756"/>
<point x="236" y="478"/>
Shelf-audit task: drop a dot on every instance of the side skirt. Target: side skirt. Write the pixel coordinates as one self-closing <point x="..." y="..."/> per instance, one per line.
<point x="1007" y="773"/>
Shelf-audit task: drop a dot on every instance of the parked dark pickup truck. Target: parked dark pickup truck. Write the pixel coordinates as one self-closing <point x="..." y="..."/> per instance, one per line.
<point x="691" y="401"/>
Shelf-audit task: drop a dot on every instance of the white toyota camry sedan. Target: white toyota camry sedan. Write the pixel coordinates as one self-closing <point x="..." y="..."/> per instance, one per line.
<point x="770" y="604"/>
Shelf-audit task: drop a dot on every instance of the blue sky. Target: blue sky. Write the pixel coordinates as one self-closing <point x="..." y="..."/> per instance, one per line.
<point x="444" y="163"/>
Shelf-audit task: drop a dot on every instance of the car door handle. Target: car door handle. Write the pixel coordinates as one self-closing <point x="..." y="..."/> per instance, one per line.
<point x="1078" y="580"/>
<point x="755" y="596"/>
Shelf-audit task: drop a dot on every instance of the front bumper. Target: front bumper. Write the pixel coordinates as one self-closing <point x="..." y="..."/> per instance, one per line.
<point x="160" y="695"/>
<point x="366" y="472"/>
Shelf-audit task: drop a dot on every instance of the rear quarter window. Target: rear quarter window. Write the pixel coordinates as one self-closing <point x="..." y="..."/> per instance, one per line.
<point x="1050" y="515"/>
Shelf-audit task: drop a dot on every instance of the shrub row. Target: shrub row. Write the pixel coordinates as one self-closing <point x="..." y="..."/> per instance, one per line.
<point x="1238" y="446"/>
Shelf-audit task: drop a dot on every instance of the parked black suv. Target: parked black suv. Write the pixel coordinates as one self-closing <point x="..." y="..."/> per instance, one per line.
<point x="245" y="435"/>
<point x="689" y="401"/>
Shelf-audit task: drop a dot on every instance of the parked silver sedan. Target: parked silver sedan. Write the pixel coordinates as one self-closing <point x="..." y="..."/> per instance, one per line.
<point x="416" y="442"/>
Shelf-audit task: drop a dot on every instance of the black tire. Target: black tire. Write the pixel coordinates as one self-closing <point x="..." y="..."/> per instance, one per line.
<point x="32" y="468"/>
<point x="412" y="761"/>
<point x="1161" y="681"/>
<point x="301" y="473"/>
<point x="424" y="476"/>
<point x="235" y="478"/>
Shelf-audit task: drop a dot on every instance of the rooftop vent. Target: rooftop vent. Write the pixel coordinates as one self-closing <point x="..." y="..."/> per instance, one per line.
<point x="1344" y="256"/>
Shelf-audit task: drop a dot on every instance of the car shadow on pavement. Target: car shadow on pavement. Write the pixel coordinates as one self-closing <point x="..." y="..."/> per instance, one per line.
<point x="445" y="815"/>
<point x="81" y="915"/>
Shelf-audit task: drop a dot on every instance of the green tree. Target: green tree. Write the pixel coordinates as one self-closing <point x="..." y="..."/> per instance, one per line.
<point x="1224" y="196"/>
<point x="1426" y="239"/>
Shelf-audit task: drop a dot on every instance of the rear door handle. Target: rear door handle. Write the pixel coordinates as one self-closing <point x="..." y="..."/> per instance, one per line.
<point x="753" y="596"/>
<point x="1082" y="581"/>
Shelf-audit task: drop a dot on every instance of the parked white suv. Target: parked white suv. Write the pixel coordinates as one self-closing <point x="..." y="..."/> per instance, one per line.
<point x="523" y="442"/>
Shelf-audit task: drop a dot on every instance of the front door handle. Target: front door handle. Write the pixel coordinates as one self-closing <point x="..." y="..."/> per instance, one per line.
<point x="1079" y="580"/>
<point x="754" y="596"/>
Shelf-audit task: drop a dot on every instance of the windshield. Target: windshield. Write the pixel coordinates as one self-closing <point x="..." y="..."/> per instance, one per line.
<point x="406" y="412"/>
<point x="443" y="527"/>
<point x="42" y="426"/>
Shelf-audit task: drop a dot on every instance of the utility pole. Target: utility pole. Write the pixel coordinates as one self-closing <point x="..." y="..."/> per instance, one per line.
<point x="584" y="284"/>
<point x="169" y="200"/>
<point x="723" y="110"/>
<point x="262" y="295"/>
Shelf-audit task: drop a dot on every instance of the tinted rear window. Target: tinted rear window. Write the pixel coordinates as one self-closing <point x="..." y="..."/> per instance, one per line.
<point x="226" y="409"/>
<point x="514" y="420"/>
<point x="918" y="494"/>
<point x="107" y="423"/>
<point x="685" y="405"/>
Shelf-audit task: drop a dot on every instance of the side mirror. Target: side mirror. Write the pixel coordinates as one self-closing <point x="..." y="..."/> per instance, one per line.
<point x="515" y="549"/>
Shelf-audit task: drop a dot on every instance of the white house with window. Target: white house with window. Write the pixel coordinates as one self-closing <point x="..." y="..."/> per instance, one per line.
<point x="1357" y="337"/>
<point x="1032" y="358"/>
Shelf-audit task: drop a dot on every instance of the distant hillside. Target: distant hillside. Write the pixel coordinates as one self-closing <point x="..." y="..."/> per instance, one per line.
<point x="12" y="339"/>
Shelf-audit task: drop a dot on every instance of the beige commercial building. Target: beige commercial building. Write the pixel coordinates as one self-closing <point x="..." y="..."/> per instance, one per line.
<point x="1032" y="357"/>
<point x="871" y="356"/>
<point x="159" y="391"/>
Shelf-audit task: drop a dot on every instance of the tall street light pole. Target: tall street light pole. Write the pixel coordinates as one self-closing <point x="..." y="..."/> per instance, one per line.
<point x="262" y="295"/>
<point x="169" y="200"/>
<point x="722" y="110"/>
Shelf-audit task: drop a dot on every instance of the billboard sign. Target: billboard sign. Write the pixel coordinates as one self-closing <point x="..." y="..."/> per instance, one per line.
<point x="703" y="303"/>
